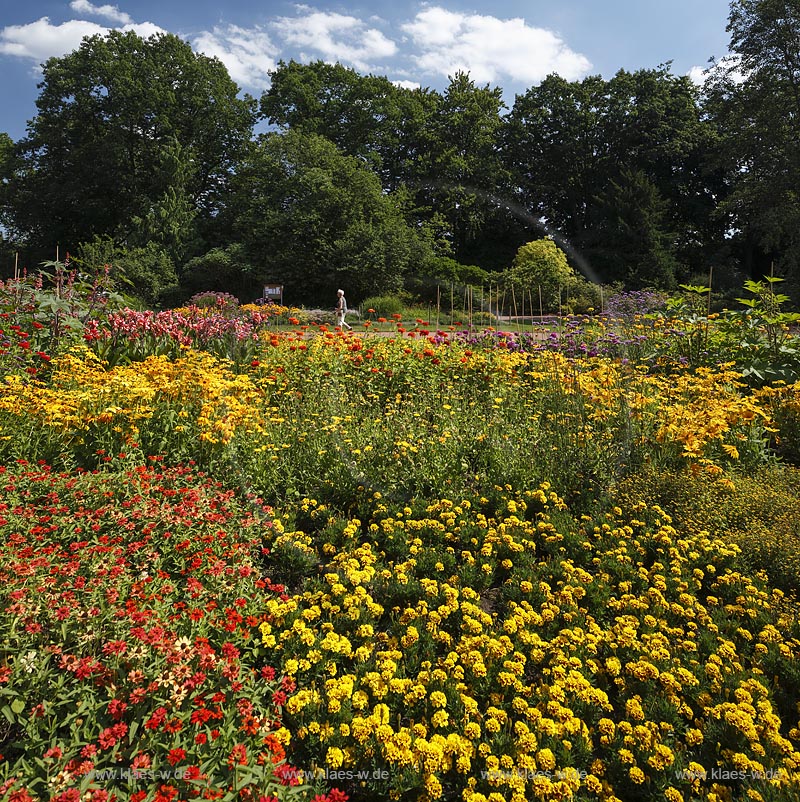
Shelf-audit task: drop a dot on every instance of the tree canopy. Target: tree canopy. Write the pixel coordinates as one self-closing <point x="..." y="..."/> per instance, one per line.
<point x="129" y="131"/>
<point x="315" y="219"/>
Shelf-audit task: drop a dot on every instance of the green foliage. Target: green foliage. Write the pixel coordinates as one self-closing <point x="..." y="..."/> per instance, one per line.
<point x="222" y="270"/>
<point x="567" y="143"/>
<point x="445" y="268"/>
<point x="582" y="297"/>
<point x="541" y="264"/>
<point x="146" y="272"/>
<point x="381" y="306"/>
<point x="131" y="137"/>
<point x="315" y="220"/>
<point x="759" y="512"/>
<point x="632" y="238"/>
<point x="755" y="105"/>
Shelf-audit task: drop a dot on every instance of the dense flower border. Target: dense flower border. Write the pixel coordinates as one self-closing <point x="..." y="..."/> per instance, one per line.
<point x="130" y="658"/>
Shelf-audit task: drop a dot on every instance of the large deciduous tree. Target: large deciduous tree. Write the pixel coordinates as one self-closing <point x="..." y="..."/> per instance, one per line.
<point x="754" y="97"/>
<point x="133" y="138"/>
<point x="315" y="219"/>
<point x="445" y="148"/>
<point x="363" y="115"/>
<point x="578" y="148"/>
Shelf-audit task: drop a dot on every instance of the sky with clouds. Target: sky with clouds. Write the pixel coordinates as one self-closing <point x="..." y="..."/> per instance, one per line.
<point x="513" y="44"/>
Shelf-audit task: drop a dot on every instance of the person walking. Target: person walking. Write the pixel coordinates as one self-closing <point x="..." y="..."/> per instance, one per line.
<point x="341" y="310"/>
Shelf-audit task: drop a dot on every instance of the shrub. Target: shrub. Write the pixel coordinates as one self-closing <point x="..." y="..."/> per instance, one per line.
<point x="209" y="299"/>
<point x="382" y="306"/>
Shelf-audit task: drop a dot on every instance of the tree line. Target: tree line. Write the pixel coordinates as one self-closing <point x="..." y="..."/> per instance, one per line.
<point x="145" y="155"/>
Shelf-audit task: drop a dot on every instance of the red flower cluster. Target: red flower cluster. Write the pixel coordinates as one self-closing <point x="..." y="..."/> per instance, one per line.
<point x="135" y="600"/>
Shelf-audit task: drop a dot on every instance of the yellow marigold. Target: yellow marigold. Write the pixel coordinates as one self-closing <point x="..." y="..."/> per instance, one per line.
<point x="438" y="699"/>
<point x="546" y="759"/>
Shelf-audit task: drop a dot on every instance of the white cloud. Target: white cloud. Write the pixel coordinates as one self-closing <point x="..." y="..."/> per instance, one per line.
<point x="248" y="53"/>
<point x="730" y="64"/>
<point x="407" y="84"/>
<point x="40" y="40"/>
<point x="697" y="75"/>
<point x="109" y="12"/>
<point x="336" y="37"/>
<point x="488" y="48"/>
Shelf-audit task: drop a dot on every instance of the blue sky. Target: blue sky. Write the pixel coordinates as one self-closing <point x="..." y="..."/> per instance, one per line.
<point x="505" y="43"/>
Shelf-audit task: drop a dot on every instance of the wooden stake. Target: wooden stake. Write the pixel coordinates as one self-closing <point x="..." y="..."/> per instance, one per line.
<point x="541" y="307"/>
<point x="710" y="272"/>
<point x="16" y="266"/>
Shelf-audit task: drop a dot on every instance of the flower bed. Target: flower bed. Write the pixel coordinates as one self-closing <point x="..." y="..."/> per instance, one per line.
<point x="131" y="656"/>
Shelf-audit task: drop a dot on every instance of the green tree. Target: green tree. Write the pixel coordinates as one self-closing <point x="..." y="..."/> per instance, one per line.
<point x="566" y="143"/>
<point x="129" y="132"/>
<point x="541" y="266"/>
<point x="443" y="148"/>
<point x="6" y="157"/>
<point x="315" y="219"/>
<point x="461" y="173"/>
<point x="365" y="116"/>
<point x="144" y="272"/>
<point x="755" y="102"/>
<point x="632" y="240"/>
<point x="555" y="148"/>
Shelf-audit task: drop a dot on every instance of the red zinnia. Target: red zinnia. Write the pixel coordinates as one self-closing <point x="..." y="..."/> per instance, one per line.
<point x="175" y="756"/>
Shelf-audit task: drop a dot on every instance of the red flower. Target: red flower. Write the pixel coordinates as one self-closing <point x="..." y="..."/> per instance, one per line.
<point x="54" y="752"/>
<point x="157" y="719"/>
<point x="200" y="716"/>
<point x="238" y="756"/>
<point x="175" y="756"/>
<point x="107" y="738"/>
<point x="166" y="793"/>
<point x="71" y="795"/>
<point x="141" y="761"/>
<point x="117" y="708"/>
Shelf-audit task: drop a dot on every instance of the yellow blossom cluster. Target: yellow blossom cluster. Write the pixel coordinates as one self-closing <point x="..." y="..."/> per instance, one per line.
<point x="589" y="660"/>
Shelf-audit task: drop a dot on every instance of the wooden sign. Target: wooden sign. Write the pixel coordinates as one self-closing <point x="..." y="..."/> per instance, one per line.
<point x="273" y="292"/>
